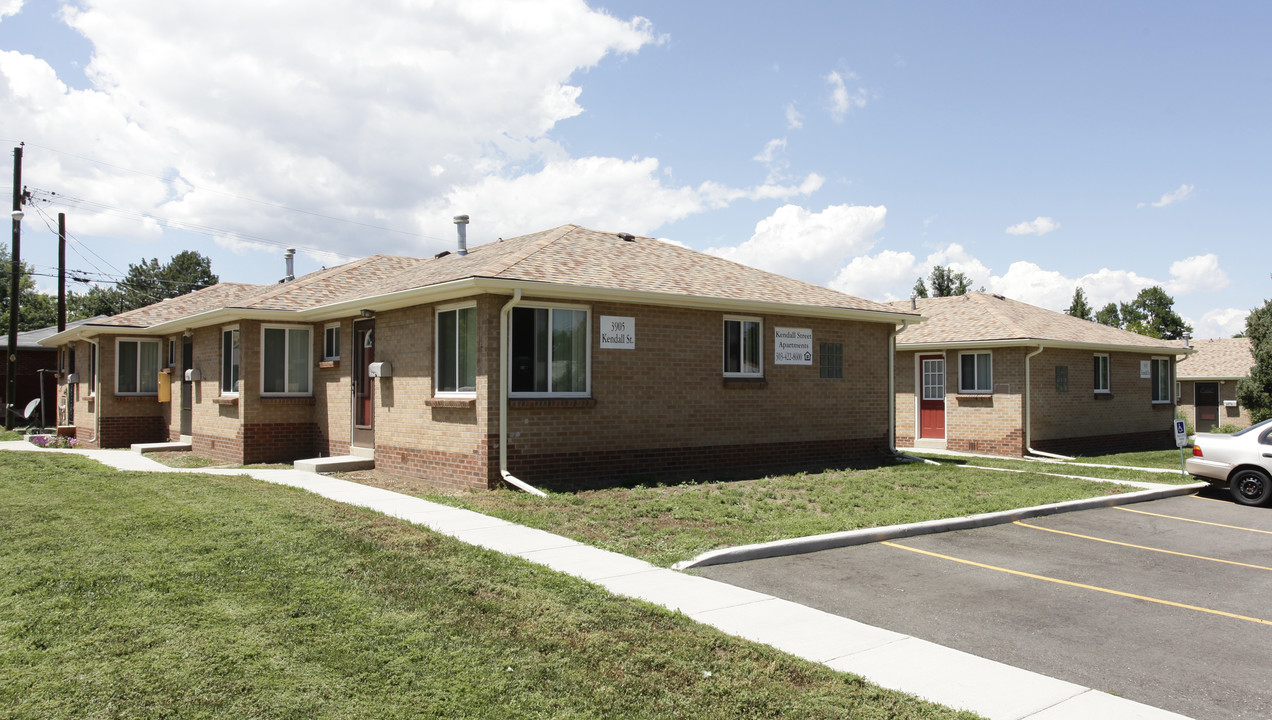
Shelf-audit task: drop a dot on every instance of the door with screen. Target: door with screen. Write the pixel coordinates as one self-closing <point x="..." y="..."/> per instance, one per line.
<point x="1206" y="405"/>
<point x="932" y="397"/>
<point x="363" y="386"/>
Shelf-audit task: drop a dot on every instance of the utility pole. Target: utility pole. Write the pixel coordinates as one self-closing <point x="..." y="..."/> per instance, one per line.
<point x="15" y="262"/>
<point x="61" y="272"/>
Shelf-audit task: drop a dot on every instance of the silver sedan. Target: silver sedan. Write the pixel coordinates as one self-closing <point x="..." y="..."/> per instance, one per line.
<point x="1243" y="460"/>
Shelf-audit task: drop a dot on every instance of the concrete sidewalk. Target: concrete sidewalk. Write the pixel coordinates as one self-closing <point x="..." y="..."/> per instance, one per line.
<point x="893" y="660"/>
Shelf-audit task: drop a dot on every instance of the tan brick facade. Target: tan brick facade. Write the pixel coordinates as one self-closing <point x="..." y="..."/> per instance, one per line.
<point x="1066" y="415"/>
<point x="659" y="411"/>
<point x="1235" y="414"/>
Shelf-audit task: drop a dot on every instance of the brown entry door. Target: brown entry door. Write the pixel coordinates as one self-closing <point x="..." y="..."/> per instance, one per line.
<point x="932" y="397"/>
<point x="1206" y="405"/>
<point x="363" y="387"/>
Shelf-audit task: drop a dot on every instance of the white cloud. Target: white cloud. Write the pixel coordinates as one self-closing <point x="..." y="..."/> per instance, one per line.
<point x="773" y="157"/>
<point x="794" y="119"/>
<point x="1195" y="274"/>
<point x="1038" y="226"/>
<point x="841" y="98"/>
<point x="9" y="7"/>
<point x="374" y="113"/>
<point x="604" y="193"/>
<point x="1220" y="323"/>
<point x="809" y="245"/>
<point x="878" y="277"/>
<point x="1182" y="193"/>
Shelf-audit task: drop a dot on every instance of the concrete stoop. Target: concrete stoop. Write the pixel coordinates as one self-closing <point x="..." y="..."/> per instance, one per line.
<point x="335" y="463"/>
<point x="143" y="448"/>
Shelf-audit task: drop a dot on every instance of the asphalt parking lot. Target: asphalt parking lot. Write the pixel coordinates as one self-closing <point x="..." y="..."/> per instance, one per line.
<point x="1168" y="603"/>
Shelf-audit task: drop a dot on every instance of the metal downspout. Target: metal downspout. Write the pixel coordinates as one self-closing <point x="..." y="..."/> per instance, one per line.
<point x="892" y="385"/>
<point x="503" y="399"/>
<point x="1028" y="414"/>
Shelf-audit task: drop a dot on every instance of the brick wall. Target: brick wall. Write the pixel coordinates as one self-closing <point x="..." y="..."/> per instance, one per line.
<point x="1080" y="417"/>
<point x="1059" y="418"/>
<point x="1236" y="415"/>
<point x="664" y="408"/>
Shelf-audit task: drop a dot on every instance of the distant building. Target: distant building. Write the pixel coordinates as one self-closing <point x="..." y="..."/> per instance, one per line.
<point x="1208" y="382"/>
<point x="989" y="374"/>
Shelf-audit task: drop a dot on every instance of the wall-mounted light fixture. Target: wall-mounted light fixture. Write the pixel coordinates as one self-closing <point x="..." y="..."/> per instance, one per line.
<point x="366" y="314"/>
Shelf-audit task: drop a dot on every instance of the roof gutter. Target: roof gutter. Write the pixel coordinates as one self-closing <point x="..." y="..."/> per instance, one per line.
<point x="1053" y="344"/>
<point x="892" y="385"/>
<point x="1028" y="418"/>
<point x="503" y="399"/>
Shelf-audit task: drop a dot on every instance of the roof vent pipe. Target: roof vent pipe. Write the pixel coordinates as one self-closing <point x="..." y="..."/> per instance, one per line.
<point x="289" y="256"/>
<point x="914" y="302"/>
<point x="1187" y="337"/>
<point x="461" y="221"/>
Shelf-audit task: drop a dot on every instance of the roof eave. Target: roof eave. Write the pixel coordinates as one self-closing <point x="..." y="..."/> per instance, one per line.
<point x="1049" y="344"/>
<point x="464" y="287"/>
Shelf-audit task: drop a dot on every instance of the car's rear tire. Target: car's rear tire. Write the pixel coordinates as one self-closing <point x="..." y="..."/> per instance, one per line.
<point x="1250" y="487"/>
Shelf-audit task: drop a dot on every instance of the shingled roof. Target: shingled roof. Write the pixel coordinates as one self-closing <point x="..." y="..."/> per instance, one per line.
<point x="1218" y="359"/>
<point x="569" y="256"/>
<point x="983" y="318"/>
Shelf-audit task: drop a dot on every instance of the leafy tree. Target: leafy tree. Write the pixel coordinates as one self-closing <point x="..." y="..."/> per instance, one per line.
<point x="145" y="284"/>
<point x="1255" y="392"/>
<point x="1109" y="315"/>
<point x="1079" y="308"/>
<point x="947" y="283"/>
<point x="150" y="282"/>
<point x="35" y="310"/>
<point x="920" y="290"/>
<point x="1153" y="314"/>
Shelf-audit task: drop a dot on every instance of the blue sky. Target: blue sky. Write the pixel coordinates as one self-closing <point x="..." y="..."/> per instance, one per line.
<point x="1035" y="147"/>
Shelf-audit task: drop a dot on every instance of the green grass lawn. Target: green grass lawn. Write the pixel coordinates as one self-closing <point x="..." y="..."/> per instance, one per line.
<point x="173" y="595"/>
<point x="666" y="524"/>
<point x="1153" y="458"/>
<point x="1073" y="468"/>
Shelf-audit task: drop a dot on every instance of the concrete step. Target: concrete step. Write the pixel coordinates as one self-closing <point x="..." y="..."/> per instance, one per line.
<point x="336" y="463"/>
<point x="144" y="448"/>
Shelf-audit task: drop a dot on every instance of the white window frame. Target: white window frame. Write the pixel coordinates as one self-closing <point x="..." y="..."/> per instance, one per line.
<point x="975" y="389"/>
<point x="137" y="372"/>
<point x="437" y="348"/>
<point x="1166" y="384"/>
<point x="587" y="328"/>
<point x="238" y="363"/>
<point x="287" y="356"/>
<point x="1108" y="373"/>
<point x="330" y="353"/>
<point x="759" y="322"/>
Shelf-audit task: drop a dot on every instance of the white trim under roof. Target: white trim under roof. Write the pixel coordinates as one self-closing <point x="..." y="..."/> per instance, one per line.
<point x="1051" y="345"/>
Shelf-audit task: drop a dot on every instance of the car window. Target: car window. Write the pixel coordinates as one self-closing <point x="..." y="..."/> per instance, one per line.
<point x="1265" y="425"/>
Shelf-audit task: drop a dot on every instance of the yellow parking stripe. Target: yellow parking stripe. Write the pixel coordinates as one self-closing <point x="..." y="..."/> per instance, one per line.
<point x="1142" y="547"/>
<point x="1070" y="583"/>
<point x="1199" y="522"/>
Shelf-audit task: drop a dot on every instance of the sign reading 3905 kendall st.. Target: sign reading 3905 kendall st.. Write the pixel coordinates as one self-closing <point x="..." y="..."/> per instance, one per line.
<point x="618" y="332"/>
<point x="792" y="346"/>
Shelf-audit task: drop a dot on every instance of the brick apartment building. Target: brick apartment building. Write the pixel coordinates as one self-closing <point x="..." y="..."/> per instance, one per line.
<point x="626" y="358"/>
<point x="989" y="374"/>
<point x="1208" y="382"/>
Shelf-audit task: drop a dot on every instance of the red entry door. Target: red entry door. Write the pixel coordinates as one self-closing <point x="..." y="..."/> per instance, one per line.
<point x="932" y="397"/>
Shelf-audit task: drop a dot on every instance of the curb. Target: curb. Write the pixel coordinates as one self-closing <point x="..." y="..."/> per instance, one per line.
<point x="847" y="538"/>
